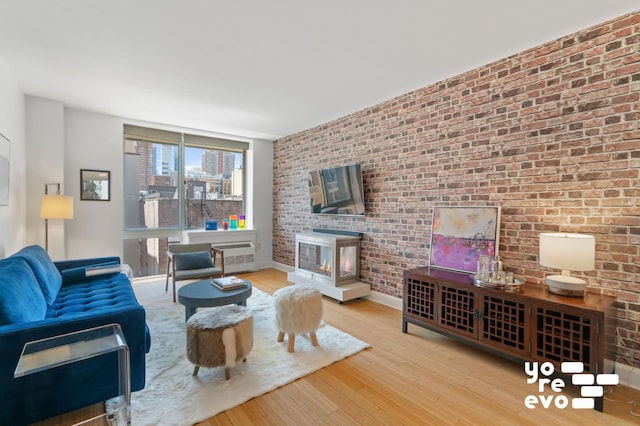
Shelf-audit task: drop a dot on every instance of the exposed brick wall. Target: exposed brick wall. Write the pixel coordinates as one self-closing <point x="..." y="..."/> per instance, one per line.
<point x="550" y="134"/>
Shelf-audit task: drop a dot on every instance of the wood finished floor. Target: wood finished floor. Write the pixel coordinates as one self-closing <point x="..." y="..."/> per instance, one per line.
<point x="415" y="378"/>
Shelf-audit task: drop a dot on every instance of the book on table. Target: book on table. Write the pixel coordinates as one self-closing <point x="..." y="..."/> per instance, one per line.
<point x="228" y="283"/>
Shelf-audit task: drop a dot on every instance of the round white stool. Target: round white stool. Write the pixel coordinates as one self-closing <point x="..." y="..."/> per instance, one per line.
<point x="298" y="311"/>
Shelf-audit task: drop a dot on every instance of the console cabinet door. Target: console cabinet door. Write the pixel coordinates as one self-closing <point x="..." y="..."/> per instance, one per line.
<point x="419" y="299"/>
<point x="563" y="333"/>
<point x="505" y="323"/>
<point x="458" y="309"/>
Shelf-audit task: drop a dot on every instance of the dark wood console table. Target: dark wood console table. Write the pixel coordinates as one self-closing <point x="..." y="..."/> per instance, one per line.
<point x="528" y="325"/>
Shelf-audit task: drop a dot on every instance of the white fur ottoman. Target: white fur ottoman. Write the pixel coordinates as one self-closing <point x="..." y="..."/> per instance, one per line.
<point x="298" y="311"/>
<point x="219" y="337"/>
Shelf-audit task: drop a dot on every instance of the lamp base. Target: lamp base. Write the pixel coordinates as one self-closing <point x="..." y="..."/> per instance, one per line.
<point x="565" y="285"/>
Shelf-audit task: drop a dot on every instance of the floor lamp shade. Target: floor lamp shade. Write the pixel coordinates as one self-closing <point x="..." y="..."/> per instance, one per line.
<point x="567" y="252"/>
<point x="56" y="207"/>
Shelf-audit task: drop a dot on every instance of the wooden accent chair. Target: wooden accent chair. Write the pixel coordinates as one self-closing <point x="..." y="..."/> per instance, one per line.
<point x="191" y="261"/>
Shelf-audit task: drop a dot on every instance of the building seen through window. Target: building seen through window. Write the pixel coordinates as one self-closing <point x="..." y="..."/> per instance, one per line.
<point x="175" y="183"/>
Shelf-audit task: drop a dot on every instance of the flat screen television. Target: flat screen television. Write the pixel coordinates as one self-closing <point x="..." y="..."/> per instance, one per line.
<point x="338" y="190"/>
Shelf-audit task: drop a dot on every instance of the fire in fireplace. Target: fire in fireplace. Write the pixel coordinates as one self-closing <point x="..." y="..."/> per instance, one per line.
<point x="347" y="263"/>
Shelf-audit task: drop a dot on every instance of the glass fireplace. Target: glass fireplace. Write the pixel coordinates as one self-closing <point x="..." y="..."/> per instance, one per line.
<point x="329" y="258"/>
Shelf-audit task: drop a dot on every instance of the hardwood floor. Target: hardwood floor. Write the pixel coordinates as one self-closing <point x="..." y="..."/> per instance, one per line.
<point x="416" y="378"/>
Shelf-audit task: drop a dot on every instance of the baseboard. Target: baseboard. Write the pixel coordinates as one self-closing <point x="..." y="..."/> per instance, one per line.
<point x="629" y="376"/>
<point x="281" y="267"/>
<point x="385" y="299"/>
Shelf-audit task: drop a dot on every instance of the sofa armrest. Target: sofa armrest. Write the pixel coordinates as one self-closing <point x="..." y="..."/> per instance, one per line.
<point x="77" y="263"/>
<point x="73" y="271"/>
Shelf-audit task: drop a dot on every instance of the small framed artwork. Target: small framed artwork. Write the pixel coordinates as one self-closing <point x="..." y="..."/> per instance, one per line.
<point x="95" y="185"/>
<point x="460" y="235"/>
<point x="5" y="160"/>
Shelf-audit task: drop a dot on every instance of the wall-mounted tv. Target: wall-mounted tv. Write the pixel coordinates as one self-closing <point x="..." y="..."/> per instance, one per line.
<point x="338" y="190"/>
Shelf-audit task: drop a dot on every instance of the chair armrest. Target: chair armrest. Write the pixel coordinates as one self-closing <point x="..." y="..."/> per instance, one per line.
<point x="215" y="253"/>
<point x="171" y="263"/>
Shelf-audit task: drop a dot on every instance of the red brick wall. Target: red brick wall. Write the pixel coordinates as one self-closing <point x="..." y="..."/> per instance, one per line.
<point x="550" y="134"/>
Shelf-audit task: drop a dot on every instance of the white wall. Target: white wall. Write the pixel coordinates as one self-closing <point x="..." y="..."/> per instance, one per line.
<point x="262" y="196"/>
<point x="45" y="164"/>
<point x="94" y="141"/>
<point x="13" y="223"/>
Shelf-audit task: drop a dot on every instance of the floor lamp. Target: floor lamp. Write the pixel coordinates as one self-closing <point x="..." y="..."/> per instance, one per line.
<point x="54" y="206"/>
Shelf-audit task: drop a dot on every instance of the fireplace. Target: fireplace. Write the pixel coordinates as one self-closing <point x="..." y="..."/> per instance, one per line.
<point x="330" y="261"/>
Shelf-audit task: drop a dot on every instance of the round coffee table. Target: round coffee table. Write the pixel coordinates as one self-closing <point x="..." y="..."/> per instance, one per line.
<point x="203" y="294"/>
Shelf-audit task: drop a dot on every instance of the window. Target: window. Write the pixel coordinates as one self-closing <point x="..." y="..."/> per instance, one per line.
<point x="175" y="181"/>
<point x="214" y="182"/>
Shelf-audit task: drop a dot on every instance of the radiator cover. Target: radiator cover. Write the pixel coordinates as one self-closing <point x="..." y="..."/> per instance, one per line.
<point x="239" y="247"/>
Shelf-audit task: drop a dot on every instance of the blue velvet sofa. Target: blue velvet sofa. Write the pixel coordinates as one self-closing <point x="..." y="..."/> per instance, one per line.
<point x="39" y="299"/>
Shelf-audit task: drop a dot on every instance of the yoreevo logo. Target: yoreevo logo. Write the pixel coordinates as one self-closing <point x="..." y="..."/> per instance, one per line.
<point x="550" y="388"/>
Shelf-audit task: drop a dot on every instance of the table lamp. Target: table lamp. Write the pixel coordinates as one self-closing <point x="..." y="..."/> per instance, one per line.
<point x="54" y="206"/>
<point x="568" y="252"/>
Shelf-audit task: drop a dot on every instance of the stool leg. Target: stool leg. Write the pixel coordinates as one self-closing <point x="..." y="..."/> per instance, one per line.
<point x="292" y="342"/>
<point x="281" y="336"/>
<point x="227" y="373"/>
<point x="195" y="370"/>
<point x="314" y="338"/>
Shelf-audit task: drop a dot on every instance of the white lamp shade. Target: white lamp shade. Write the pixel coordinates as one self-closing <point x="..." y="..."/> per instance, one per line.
<point x="569" y="252"/>
<point x="56" y="207"/>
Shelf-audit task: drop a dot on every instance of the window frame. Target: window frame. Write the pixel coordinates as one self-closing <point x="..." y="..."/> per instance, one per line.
<point x="182" y="140"/>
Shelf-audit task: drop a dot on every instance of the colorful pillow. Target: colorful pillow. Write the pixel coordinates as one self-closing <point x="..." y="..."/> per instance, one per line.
<point x="193" y="260"/>
<point x="21" y="299"/>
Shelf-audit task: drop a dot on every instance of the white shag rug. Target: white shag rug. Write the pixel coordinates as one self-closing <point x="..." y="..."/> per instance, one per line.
<point x="172" y="396"/>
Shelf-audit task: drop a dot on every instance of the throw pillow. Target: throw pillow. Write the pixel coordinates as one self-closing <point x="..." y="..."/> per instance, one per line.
<point x="194" y="260"/>
<point x="44" y="269"/>
<point x="21" y="298"/>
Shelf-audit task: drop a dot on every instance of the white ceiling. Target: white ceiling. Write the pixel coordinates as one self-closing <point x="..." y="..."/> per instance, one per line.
<point x="265" y="68"/>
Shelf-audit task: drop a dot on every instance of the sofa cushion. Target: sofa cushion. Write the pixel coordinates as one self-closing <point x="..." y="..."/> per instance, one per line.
<point x="100" y="295"/>
<point x="21" y="299"/>
<point x="194" y="260"/>
<point x="45" y="271"/>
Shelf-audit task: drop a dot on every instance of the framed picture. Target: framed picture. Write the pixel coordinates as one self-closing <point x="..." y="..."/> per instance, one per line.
<point x="95" y="185"/>
<point x="460" y="235"/>
<point x="5" y="161"/>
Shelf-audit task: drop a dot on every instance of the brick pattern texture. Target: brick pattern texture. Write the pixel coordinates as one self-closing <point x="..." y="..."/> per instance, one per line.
<point x="550" y="134"/>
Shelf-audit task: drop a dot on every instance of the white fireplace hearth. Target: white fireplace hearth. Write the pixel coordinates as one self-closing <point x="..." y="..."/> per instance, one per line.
<point x="329" y="261"/>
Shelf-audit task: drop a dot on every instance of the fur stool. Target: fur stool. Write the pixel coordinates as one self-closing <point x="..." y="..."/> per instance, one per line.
<point x="298" y="311"/>
<point x="219" y="336"/>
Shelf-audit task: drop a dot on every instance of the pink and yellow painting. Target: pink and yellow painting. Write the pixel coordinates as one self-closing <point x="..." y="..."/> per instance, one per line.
<point x="460" y="235"/>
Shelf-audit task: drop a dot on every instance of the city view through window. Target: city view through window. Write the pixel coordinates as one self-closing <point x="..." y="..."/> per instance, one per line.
<point x="212" y="188"/>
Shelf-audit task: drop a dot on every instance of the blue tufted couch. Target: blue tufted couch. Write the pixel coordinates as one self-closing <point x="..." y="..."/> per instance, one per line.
<point x="39" y="299"/>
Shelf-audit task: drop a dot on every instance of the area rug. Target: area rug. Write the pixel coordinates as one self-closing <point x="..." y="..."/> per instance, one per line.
<point x="172" y="396"/>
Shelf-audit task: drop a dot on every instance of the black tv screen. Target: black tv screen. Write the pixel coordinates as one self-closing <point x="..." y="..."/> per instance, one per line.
<point x="338" y="190"/>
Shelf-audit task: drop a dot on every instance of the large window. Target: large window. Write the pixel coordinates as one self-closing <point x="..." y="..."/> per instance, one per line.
<point x="176" y="181"/>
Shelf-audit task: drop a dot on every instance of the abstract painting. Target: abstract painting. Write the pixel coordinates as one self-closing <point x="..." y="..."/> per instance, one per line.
<point x="460" y="235"/>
